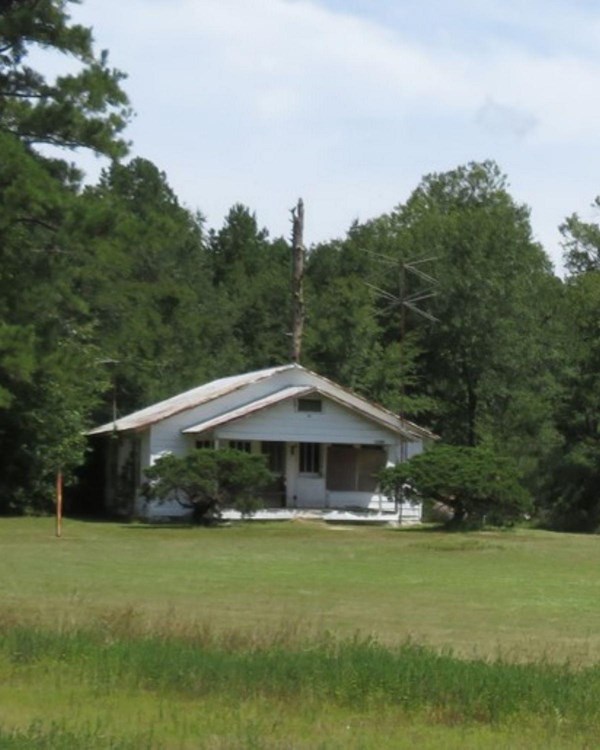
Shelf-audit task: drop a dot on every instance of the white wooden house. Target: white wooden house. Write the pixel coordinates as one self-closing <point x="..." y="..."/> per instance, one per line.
<point x="324" y="443"/>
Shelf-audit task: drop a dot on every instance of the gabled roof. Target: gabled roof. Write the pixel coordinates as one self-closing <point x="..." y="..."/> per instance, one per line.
<point x="187" y="400"/>
<point x="218" y="388"/>
<point x="376" y="412"/>
<point x="284" y="394"/>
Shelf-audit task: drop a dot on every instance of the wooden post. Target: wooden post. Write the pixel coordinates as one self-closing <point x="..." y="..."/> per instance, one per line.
<point x="59" y="502"/>
<point x="298" y="253"/>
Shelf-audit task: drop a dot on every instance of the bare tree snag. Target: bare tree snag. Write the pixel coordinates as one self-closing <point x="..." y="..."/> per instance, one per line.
<point x="298" y="253"/>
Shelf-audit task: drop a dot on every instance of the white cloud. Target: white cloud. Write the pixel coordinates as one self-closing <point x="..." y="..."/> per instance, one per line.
<point x="503" y="119"/>
<point x="258" y="101"/>
<point x="272" y="57"/>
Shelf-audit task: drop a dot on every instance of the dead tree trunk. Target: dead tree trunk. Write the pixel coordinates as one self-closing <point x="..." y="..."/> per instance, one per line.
<point x="298" y="253"/>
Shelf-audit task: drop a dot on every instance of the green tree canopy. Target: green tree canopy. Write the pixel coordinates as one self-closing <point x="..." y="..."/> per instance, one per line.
<point x="581" y="243"/>
<point x="49" y="379"/>
<point x="251" y="274"/>
<point x="486" y="371"/>
<point x="571" y="497"/>
<point x="478" y="356"/>
<point x="143" y="269"/>
<point x="86" y="108"/>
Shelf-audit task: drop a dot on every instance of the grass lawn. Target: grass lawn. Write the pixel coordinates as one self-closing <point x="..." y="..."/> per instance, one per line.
<point x="524" y="596"/>
<point x="521" y="593"/>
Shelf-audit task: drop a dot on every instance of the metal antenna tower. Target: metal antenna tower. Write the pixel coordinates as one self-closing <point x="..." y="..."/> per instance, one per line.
<point x="407" y="300"/>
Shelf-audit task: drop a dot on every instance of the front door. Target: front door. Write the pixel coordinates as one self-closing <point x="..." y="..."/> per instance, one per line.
<point x="310" y="477"/>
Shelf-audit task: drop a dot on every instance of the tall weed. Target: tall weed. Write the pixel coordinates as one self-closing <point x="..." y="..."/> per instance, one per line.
<point x="357" y="672"/>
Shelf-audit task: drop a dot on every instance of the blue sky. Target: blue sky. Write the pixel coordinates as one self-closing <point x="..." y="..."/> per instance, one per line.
<point x="349" y="103"/>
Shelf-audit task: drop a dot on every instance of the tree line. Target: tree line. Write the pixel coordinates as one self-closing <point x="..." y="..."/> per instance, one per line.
<point x="116" y="294"/>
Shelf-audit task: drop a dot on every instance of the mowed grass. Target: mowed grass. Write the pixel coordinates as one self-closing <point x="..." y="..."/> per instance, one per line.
<point x="296" y="635"/>
<point x="524" y="594"/>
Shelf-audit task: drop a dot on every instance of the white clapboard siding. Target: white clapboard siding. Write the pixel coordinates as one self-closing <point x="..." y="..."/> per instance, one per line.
<point x="335" y="424"/>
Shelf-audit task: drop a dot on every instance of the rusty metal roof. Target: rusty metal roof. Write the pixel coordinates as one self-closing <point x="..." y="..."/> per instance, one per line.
<point x="217" y="388"/>
<point x="375" y="412"/>
<point x="253" y="406"/>
<point x="328" y="390"/>
<point x="187" y="400"/>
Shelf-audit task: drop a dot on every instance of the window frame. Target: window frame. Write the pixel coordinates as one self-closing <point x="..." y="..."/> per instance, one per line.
<point x="309" y="459"/>
<point x="244" y="446"/>
<point x="275" y="453"/>
<point x="303" y="403"/>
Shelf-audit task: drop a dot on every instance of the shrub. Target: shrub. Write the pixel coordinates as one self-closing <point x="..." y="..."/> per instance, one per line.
<point x="478" y="485"/>
<point x="208" y="480"/>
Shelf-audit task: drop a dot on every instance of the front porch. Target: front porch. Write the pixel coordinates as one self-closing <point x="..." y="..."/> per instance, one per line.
<point x="318" y="476"/>
<point x="410" y="515"/>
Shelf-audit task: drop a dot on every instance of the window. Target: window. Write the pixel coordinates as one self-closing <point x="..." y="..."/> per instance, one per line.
<point x="310" y="458"/>
<point x="241" y="445"/>
<point x="351" y="469"/>
<point x="313" y="405"/>
<point x="205" y="443"/>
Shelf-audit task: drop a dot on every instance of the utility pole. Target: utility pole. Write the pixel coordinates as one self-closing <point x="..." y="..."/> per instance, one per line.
<point x="59" y="502"/>
<point x="298" y="254"/>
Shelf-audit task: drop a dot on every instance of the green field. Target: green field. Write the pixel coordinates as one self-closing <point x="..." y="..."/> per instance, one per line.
<point x="290" y="635"/>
